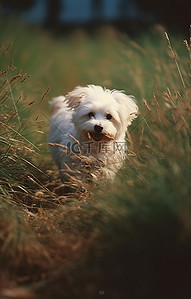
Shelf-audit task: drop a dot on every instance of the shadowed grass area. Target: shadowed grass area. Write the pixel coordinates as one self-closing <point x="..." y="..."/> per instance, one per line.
<point x="126" y="239"/>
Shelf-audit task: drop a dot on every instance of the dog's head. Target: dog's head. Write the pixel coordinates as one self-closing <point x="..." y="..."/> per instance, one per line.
<point x="101" y="114"/>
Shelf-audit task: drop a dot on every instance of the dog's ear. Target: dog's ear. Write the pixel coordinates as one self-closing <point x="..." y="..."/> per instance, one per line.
<point x="75" y="97"/>
<point x="128" y="108"/>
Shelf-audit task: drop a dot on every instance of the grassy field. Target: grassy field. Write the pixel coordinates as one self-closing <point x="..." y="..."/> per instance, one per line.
<point x="131" y="239"/>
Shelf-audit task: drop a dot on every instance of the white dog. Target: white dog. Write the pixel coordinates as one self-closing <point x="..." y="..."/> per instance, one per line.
<point x="91" y="123"/>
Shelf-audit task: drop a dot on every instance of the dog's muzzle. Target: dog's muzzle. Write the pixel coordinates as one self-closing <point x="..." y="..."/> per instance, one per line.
<point x="97" y="134"/>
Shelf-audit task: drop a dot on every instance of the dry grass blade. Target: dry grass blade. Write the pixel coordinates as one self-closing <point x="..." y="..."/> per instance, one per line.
<point x="188" y="44"/>
<point x="7" y="49"/>
<point x="175" y="59"/>
<point x="45" y="94"/>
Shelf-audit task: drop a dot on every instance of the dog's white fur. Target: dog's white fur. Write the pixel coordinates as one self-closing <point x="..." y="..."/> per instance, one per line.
<point x="85" y="115"/>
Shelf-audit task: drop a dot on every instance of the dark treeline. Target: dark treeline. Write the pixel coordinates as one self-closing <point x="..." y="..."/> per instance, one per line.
<point x="174" y="14"/>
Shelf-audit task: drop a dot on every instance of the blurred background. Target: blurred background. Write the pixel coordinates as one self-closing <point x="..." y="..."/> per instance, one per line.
<point x="123" y="14"/>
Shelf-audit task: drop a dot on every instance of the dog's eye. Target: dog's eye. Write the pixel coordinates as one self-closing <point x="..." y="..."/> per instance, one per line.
<point x="109" y="116"/>
<point x="91" y="114"/>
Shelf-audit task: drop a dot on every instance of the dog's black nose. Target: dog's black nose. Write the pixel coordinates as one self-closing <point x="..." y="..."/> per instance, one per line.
<point x="98" y="129"/>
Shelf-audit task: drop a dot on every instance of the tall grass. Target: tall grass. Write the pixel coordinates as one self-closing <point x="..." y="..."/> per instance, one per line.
<point x="129" y="239"/>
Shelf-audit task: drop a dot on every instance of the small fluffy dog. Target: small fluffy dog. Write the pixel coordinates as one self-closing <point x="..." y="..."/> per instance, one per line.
<point x="88" y="128"/>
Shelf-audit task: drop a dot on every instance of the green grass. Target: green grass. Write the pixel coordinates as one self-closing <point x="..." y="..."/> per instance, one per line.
<point x="130" y="239"/>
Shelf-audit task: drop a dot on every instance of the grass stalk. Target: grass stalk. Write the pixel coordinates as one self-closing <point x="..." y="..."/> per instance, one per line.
<point x="175" y="59"/>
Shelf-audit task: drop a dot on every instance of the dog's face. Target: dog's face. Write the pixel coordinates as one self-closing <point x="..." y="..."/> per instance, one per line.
<point x="101" y="115"/>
